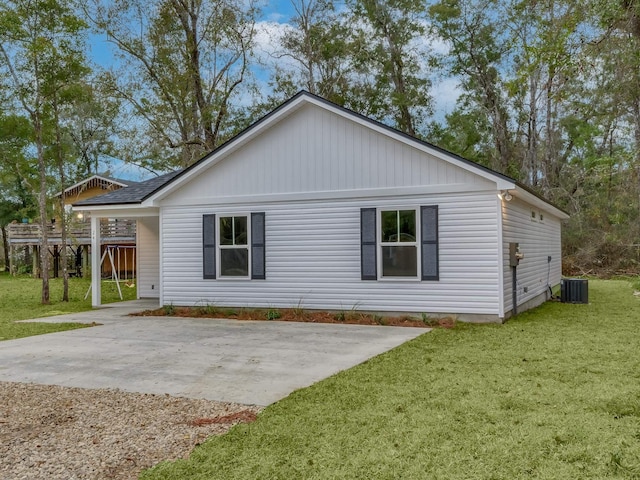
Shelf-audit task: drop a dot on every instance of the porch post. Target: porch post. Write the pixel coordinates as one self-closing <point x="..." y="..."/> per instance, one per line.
<point x="96" y="294"/>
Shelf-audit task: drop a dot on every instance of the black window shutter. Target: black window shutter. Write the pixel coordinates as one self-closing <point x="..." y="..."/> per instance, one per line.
<point x="257" y="246"/>
<point x="209" y="246"/>
<point x="429" y="242"/>
<point x="368" y="233"/>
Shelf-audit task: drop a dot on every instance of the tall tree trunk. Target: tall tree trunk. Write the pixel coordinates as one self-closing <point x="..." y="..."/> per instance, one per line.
<point x="532" y="141"/>
<point x="5" y="248"/>
<point x="42" y="207"/>
<point x="63" y="213"/>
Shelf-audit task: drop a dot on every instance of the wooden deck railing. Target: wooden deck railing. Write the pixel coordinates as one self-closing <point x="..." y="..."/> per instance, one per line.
<point x="78" y="232"/>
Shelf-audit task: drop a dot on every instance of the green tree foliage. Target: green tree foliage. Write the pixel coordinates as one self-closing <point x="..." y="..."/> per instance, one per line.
<point x="316" y="53"/>
<point x="550" y="96"/>
<point x="42" y="52"/>
<point x="391" y="60"/>
<point x="16" y="201"/>
<point x="180" y="65"/>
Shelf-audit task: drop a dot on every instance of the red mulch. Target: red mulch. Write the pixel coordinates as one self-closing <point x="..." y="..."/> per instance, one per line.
<point x="299" y="315"/>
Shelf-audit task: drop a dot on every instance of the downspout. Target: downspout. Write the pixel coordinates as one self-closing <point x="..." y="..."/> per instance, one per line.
<point x="514" y="289"/>
<point x="500" y="253"/>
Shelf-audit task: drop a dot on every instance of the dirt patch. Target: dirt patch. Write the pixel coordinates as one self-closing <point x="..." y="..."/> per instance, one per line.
<point x="299" y="315"/>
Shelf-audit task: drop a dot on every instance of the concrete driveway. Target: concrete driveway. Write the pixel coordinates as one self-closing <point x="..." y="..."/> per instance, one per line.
<point x="251" y="362"/>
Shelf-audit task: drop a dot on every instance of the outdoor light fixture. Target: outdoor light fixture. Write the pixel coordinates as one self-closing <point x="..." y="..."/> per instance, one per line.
<point x="507" y="196"/>
<point x="80" y="216"/>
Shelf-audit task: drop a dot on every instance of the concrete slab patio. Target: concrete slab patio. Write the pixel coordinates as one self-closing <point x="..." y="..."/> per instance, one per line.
<point x="251" y="362"/>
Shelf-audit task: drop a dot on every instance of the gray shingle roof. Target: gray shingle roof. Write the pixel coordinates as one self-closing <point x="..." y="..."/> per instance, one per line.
<point x="135" y="193"/>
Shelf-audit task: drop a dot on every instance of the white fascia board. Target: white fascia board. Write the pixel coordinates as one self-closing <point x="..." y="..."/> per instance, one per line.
<point x="535" y="201"/>
<point x="118" y="211"/>
<point x="233" y="145"/>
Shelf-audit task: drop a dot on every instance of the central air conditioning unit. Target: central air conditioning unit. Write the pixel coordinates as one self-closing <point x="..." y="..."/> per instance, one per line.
<point x="574" y="290"/>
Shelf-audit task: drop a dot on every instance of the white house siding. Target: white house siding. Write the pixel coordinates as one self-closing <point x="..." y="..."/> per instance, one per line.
<point x="315" y="150"/>
<point x="313" y="257"/>
<point x="148" y="257"/>
<point x="538" y="240"/>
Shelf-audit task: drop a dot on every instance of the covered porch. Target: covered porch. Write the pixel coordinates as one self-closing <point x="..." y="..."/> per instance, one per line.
<point x="147" y="244"/>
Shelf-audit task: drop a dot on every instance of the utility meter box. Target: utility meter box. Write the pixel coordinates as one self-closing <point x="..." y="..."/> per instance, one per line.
<point x="515" y="255"/>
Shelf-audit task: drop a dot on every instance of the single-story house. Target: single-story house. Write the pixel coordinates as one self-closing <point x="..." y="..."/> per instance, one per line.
<point x="318" y="207"/>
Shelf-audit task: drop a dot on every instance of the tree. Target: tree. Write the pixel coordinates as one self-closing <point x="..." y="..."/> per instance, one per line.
<point x="392" y="61"/>
<point x="92" y="124"/>
<point x="182" y="61"/>
<point x="15" y="201"/>
<point x="316" y="53"/>
<point x="40" y="43"/>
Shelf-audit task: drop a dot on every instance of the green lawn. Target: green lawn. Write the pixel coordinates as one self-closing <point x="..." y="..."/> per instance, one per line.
<point x="20" y="300"/>
<point x="553" y="394"/>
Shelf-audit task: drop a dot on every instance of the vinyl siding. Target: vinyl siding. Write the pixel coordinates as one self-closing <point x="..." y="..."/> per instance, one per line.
<point x="315" y="150"/>
<point x="148" y="258"/>
<point x="313" y="258"/>
<point x="538" y="240"/>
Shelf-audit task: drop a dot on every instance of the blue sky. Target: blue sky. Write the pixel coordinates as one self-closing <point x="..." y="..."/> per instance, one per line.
<point x="101" y="51"/>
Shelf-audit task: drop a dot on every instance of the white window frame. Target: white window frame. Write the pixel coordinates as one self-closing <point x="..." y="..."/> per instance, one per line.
<point x="220" y="247"/>
<point x="416" y="244"/>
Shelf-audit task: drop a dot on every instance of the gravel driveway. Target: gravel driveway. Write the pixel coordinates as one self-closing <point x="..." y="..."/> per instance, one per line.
<point x="52" y="432"/>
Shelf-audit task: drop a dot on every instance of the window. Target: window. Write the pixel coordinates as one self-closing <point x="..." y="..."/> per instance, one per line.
<point x="233" y="246"/>
<point x="398" y="243"/>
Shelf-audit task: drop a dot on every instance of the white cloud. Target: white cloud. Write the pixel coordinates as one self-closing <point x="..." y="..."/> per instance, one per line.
<point x="445" y="92"/>
<point x="267" y="42"/>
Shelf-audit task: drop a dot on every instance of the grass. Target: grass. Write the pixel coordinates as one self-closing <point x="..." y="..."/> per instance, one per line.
<point x="20" y="300"/>
<point x="554" y="393"/>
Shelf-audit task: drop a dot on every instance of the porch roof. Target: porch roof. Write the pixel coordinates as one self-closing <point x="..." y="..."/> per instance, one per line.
<point x="134" y="194"/>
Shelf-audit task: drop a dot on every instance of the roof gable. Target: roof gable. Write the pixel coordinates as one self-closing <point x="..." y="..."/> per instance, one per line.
<point x="314" y="150"/>
<point x="301" y="100"/>
<point x="163" y="187"/>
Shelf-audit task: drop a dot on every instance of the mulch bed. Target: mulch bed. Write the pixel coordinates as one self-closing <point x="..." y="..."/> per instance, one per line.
<point x="299" y="315"/>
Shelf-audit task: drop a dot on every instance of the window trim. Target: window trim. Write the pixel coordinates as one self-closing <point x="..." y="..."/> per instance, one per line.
<point x="416" y="244"/>
<point x="220" y="247"/>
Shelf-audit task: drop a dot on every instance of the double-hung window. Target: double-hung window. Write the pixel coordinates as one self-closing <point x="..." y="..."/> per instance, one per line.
<point x="233" y="246"/>
<point x="399" y="243"/>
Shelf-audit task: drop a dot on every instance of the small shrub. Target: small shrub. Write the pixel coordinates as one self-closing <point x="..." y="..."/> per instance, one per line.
<point x="379" y="319"/>
<point x="273" y="314"/>
<point x="207" y="310"/>
<point x="169" y="309"/>
<point x="230" y="312"/>
<point x="210" y="309"/>
<point x="298" y="310"/>
<point x="340" y="316"/>
<point x="353" y="313"/>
